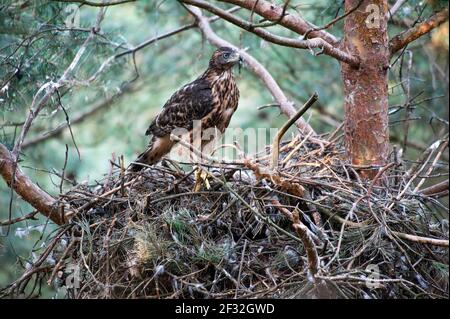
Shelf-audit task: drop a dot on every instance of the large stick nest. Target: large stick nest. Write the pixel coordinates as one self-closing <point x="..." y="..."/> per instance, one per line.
<point x="311" y="228"/>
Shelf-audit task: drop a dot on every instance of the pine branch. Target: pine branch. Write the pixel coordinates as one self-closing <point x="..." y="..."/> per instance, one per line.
<point x="30" y="192"/>
<point x="403" y="39"/>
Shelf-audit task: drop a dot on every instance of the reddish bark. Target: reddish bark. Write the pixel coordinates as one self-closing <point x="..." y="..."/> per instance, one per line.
<point x="403" y="39"/>
<point x="366" y="87"/>
<point x="273" y="12"/>
<point x="30" y="192"/>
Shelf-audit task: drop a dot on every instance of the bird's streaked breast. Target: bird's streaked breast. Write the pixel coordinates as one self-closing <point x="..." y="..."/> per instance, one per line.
<point x="225" y="101"/>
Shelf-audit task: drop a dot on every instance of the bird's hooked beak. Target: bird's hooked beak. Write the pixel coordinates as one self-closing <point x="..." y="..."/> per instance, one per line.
<point x="235" y="57"/>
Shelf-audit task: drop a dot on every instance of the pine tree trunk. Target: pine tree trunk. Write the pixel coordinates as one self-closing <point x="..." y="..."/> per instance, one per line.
<point x="366" y="87"/>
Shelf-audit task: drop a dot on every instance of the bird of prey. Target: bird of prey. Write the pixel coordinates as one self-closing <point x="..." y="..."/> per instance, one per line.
<point x="212" y="98"/>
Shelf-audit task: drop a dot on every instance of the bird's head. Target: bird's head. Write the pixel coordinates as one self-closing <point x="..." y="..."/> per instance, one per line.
<point x="224" y="58"/>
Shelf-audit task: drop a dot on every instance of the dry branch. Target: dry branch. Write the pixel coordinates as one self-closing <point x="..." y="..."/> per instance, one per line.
<point x="423" y="240"/>
<point x="305" y="235"/>
<point x="286" y="126"/>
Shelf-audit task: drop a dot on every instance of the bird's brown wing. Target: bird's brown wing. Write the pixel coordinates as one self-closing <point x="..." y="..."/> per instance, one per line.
<point x="192" y="102"/>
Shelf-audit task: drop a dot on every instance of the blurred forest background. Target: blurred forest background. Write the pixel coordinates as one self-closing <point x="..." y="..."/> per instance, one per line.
<point x="127" y="95"/>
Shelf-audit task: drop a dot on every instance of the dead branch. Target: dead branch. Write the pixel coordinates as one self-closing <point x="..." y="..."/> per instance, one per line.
<point x="409" y="237"/>
<point x="262" y="172"/>
<point x="423" y="240"/>
<point x="443" y="145"/>
<point x="29" y="191"/>
<point x="403" y="39"/>
<point x="305" y="235"/>
<point x="286" y="126"/>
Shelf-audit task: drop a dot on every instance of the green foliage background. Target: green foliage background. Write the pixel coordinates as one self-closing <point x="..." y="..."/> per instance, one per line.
<point x="34" y="37"/>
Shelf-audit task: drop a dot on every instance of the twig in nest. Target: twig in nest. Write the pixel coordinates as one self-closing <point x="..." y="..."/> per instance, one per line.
<point x="409" y="237"/>
<point x="311" y="251"/>
<point x="286" y="126"/>
<point x="296" y="149"/>
<point x="262" y="172"/>
<point x="438" y="190"/>
<point x="71" y="214"/>
<point x="122" y="174"/>
<point x="294" y="220"/>
<point x="422" y="240"/>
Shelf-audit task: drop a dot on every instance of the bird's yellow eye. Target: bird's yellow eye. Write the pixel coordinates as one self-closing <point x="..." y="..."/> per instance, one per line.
<point x="226" y="55"/>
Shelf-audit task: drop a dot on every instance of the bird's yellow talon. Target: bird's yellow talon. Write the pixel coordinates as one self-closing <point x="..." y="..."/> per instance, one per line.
<point x="201" y="178"/>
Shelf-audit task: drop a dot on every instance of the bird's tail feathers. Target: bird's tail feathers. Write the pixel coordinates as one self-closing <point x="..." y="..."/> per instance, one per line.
<point x="157" y="148"/>
<point x="143" y="158"/>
